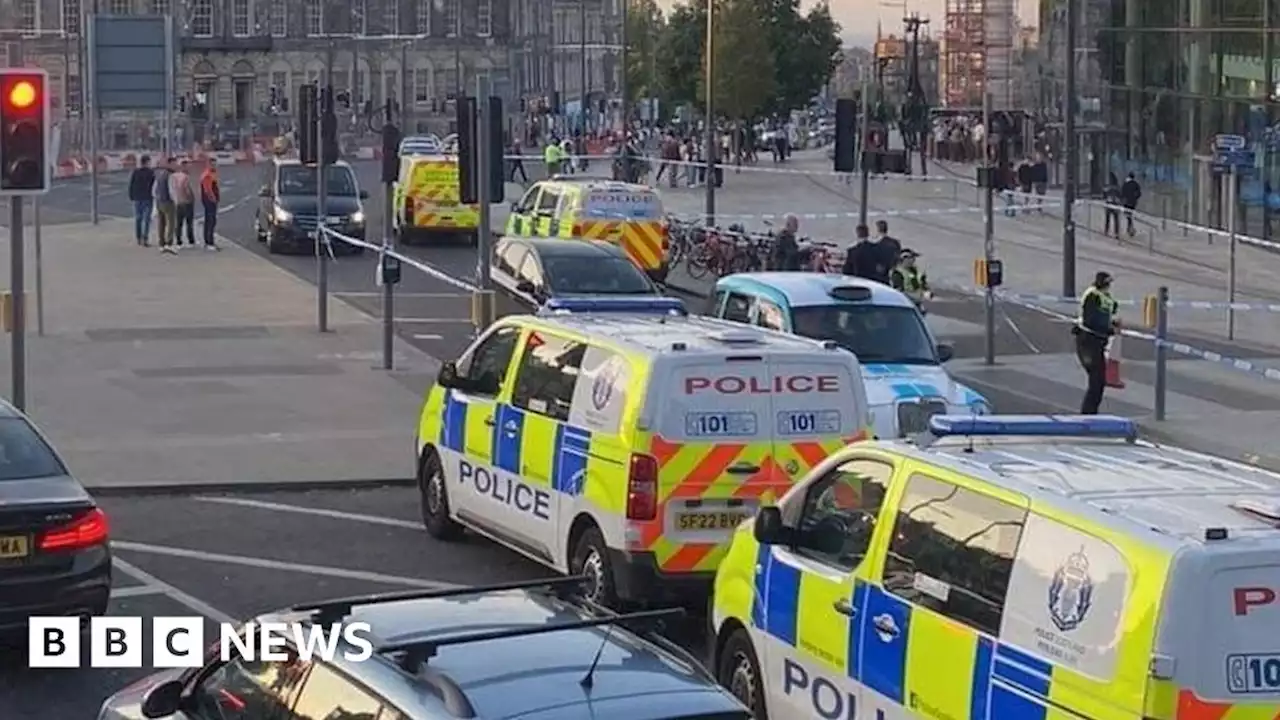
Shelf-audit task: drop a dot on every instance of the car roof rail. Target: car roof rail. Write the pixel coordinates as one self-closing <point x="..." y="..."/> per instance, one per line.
<point x="419" y="652"/>
<point x="451" y="694"/>
<point x="332" y="611"/>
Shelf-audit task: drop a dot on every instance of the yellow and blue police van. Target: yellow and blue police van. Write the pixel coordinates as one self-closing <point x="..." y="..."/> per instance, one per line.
<point x="427" y="195"/>
<point x="1006" y="568"/>
<point x="903" y="364"/>
<point x="624" y="439"/>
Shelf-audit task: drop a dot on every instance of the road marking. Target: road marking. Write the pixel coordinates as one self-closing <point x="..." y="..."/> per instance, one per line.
<point x="435" y="321"/>
<point x="427" y="336"/>
<point x="264" y="564"/>
<point x="460" y="296"/>
<point x="320" y="512"/>
<point x="192" y="603"/>
<point x="135" y="591"/>
<point x="1018" y="331"/>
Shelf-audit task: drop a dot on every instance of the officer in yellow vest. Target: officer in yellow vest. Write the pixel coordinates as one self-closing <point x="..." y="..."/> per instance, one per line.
<point x="1094" y="326"/>
<point x="909" y="279"/>
<point x="553" y="156"/>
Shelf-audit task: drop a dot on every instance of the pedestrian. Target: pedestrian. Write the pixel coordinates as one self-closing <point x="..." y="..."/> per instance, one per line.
<point x="1130" y="194"/>
<point x="859" y="259"/>
<point x="1111" y="207"/>
<point x="1026" y="180"/>
<point x="907" y="278"/>
<point x="1040" y="180"/>
<point x="517" y="162"/>
<point x="1094" y="327"/>
<point x="887" y="254"/>
<point x="210" y="197"/>
<point x="141" y="181"/>
<point x="166" y="214"/>
<point x="184" y="202"/>
<point x="786" y="249"/>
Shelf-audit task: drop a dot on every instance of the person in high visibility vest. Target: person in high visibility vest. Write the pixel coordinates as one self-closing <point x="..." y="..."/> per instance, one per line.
<point x="1093" y="328"/>
<point x="553" y="157"/>
<point x="909" y="279"/>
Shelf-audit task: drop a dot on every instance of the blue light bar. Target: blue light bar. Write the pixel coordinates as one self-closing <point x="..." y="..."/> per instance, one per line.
<point x="1093" y="426"/>
<point x="635" y="305"/>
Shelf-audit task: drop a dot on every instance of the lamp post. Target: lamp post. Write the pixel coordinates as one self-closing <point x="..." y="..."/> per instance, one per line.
<point x="1073" y="155"/>
<point x="710" y="139"/>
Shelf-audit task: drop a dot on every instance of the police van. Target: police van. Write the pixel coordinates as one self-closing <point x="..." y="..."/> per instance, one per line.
<point x="1009" y="567"/>
<point x="625" y="439"/>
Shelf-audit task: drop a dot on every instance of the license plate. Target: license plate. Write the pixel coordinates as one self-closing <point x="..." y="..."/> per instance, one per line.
<point x="13" y="546"/>
<point x="725" y="520"/>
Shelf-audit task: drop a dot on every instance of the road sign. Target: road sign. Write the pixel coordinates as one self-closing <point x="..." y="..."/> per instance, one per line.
<point x="1229" y="142"/>
<point x="130" y="57"/>
<point x="1241" y="161"/>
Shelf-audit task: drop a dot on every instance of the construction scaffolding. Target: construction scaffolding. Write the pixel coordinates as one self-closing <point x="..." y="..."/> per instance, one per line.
<point x="977" y="49"/>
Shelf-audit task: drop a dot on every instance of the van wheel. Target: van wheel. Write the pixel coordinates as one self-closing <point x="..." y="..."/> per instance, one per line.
<point x="591" y="558"/>
<point x="738" y="670"/>
<point x="434" y="496"/>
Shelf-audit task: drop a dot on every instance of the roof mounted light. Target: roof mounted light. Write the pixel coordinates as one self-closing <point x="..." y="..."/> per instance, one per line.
<point x="1091" y="426"/>
<point x="642" y="305"/>
<point x="853" y="293"/>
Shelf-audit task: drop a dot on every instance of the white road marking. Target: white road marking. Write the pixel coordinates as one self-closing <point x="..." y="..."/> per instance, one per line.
<point x="463" y="296"/>
<point x="264" y="564"/>
<point x="434" y="321"/>
<point x="135" y="591"/>
<point x="427" y="336"/>
<point x="319" y="512"/>
<point x="192" y="603"/>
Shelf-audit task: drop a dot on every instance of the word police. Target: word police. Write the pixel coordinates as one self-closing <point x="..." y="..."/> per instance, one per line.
<point x="506" y="490"/>
<point x="178" y="642"/>
<point x="779" y="384"/>
<point x="825" y="697"/>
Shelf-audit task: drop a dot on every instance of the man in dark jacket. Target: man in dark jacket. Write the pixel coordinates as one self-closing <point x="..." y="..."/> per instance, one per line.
<point x="786" y="249"/>
<point x="888" y="251"/>
<point x="1130" y="194"/>
<point x="857" y="259"/>
<point x="1094" y="326"/>
<point x="140" y="182"/>
<point x="1040" y="180"/>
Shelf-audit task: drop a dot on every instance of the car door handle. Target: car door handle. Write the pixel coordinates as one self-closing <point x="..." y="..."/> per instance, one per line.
<point x="843" y="607"/>
<point x="489" y="421"/>
<point x="743" y="469"/>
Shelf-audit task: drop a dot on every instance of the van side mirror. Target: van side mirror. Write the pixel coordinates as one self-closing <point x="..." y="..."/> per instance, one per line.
<point x="946" y="351"/>
<point x="769" y="528"/>
<point x="163" y="700"/>
<point x="515" y="207"/>
<point x="526" y="287"/>
<point x="448" y="377"/>
<point x="364" y="194"/>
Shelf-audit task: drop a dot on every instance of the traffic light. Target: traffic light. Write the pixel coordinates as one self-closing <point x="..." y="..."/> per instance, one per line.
<point x="24" y="132"/>
<point x="469" y="135"/>
<point x="308" y="133"/>
<point x="468" y="187"/>
<point x="846" y="135"/>
<point x="390" y="153"/>
<point x="497" y="161"/>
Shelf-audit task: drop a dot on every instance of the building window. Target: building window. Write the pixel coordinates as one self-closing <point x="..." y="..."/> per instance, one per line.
<point x="421" y="85"/>
<point x="240" y="18"/>
<point x="446" y="83"/>
<point x="160" y="7"/>
<point x="279" y="18"/>
<point x="484" y="18"/>
<point x="392" y="17"/>
<point x="452" y="18"/>
<point x="315" y="17"/>
<point x="280" y="81"/>
<point x="121" y="7"/>
<point x="422" y="24"/>
<point x="360" y="17"/>
<point x="71" y="17"/>
<point x="28" y="15"/>
<point x="202" y="18"/>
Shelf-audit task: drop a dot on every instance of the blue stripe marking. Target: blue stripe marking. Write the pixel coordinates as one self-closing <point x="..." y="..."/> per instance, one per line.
<point x="980" y="694"/>
<point x="763" y="558"/>
<point x="884" y="658"/>
<point x="905" y="391"/>
<point x="570" y="470"/>
<point x="1030" y="675"/>
<point x="857" y="629"/>
<point x="506" y="440"/>
<point x="782" y="600"/>
<point x="454" y="432"/>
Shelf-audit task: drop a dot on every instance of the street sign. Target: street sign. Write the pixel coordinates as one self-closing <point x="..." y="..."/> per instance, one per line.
<point x="1241" y="161"/>
<point x="130" y="57"/>
<point x="1229" y="142"/>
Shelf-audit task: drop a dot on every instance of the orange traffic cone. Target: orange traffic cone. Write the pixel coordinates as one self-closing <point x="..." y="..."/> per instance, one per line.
<point x="1113" y="363"/>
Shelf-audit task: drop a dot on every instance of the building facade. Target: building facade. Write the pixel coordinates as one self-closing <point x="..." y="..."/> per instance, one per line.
<point x="240" y="62"/>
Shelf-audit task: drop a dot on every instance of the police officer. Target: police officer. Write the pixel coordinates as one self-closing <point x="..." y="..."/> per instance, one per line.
<point x="909" y="279"/>
<point x="1095" y="325"/>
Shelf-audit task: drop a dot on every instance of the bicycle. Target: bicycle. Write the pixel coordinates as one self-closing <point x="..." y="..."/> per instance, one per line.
<point x="820" y="256"/>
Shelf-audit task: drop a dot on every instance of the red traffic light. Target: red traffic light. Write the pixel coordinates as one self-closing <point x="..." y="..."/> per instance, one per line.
<point x="23" y="95"/>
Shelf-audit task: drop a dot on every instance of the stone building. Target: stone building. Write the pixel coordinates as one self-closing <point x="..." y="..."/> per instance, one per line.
<point x="240" y="62"/>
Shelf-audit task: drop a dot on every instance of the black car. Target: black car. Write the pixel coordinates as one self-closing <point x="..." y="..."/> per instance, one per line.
<point x="287" y="209"/>
<point x="54" y="555"/>
<point x="528" y="272"/>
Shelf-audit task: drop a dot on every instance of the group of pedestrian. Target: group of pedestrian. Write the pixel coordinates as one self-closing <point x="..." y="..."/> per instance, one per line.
<point x="1117" y="196"/>
<point x="168" y="192"/>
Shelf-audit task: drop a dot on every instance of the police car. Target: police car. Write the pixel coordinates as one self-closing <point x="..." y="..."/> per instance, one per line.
<point x="902" y="363"/>
<point x="519" y="650"/>
<point x="1009" y="567"/>
<point x="625" y="439"/>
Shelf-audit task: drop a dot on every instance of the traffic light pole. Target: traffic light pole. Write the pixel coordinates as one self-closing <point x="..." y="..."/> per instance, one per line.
<point x="18" y="305"/>
<point x="91" y="112"/>
<point x="322" y="214"/>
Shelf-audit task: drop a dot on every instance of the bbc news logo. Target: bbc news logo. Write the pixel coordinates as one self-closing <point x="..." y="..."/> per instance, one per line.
<point x="179" y="642"/>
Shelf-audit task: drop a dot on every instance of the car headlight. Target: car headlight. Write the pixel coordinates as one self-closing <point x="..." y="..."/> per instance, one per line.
<point x="282" y="215"/>
<point x="357" y="217"/>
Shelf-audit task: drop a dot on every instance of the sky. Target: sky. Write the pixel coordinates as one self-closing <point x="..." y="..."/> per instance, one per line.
<point x="858" y="17"/>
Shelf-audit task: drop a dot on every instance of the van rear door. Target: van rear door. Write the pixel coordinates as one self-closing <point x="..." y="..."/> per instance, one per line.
<point x="630" y="216"/>
<point x="820" y="407"/>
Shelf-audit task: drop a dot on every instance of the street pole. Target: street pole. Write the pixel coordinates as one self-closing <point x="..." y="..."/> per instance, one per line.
<point x="1073" y="156"/>
<point x="988" y="226"/>
<point x="91" y="115"/>
<point x="582" y="106"/>
<point x="327" y="100"/>
<point x="484" y="236"/>
<point x="1232" y="210"/>
<point x="35" y="221"/>
<point x="17" y="305"/>
<point x="864" y="133"/>
<point x="170" y="91"/>
<point x="624" y="87"/>
<point x="388" y="289"/>
<point x="710" y="138"/>
<point x="407" y="98"/>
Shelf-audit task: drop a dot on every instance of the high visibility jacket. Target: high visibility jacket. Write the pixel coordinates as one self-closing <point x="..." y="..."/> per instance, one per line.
<point x="1097" y="310"/>
<point x="551" y="154"/>
<point x="910" y="280"/>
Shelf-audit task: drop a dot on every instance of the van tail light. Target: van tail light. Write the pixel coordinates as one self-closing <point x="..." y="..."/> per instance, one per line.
<point x="88" y="530"/>
<point x="666" y="238"/>
<point x="408" y="210"/>
<point x="577" y="230"/>
<point x="642" y="488"/>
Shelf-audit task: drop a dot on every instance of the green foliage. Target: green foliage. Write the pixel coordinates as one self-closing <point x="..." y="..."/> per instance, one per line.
<point x="680" y="54"/>
<point x="744" y="72"/>
<point x="645" y="30"/>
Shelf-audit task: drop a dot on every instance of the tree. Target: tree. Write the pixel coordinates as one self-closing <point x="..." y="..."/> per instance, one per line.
<point x="805" y="49"/>
<point x="744" y="70"/>
<point x="645" y="30"/>
<point x="680" y="53"/>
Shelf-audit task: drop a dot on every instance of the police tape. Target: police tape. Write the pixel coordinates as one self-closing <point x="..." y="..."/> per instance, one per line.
<point x="1172" y="304"/>
<point x="434" y="272"/>
<point x="696" y="164"/>
<point x="847" y="215"/>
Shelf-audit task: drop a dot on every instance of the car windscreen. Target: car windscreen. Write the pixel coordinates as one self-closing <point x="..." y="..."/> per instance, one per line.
<point x="875" y="333"/>
<point x="301" y="180"/>
<point x="595" y="275"/>
<point x="24" y="454"/>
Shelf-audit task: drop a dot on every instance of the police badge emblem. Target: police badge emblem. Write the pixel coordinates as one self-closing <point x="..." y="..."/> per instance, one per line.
<point x="1071" y="592"/>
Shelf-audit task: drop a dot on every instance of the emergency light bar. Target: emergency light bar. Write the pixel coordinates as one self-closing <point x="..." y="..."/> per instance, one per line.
<point x="628" y="305"/>
<point x="1091" y="426"/>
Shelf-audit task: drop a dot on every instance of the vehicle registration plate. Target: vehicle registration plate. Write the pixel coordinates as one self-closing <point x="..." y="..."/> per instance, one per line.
<point x="13" y="546"/>
<point x="721" y="520"/>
